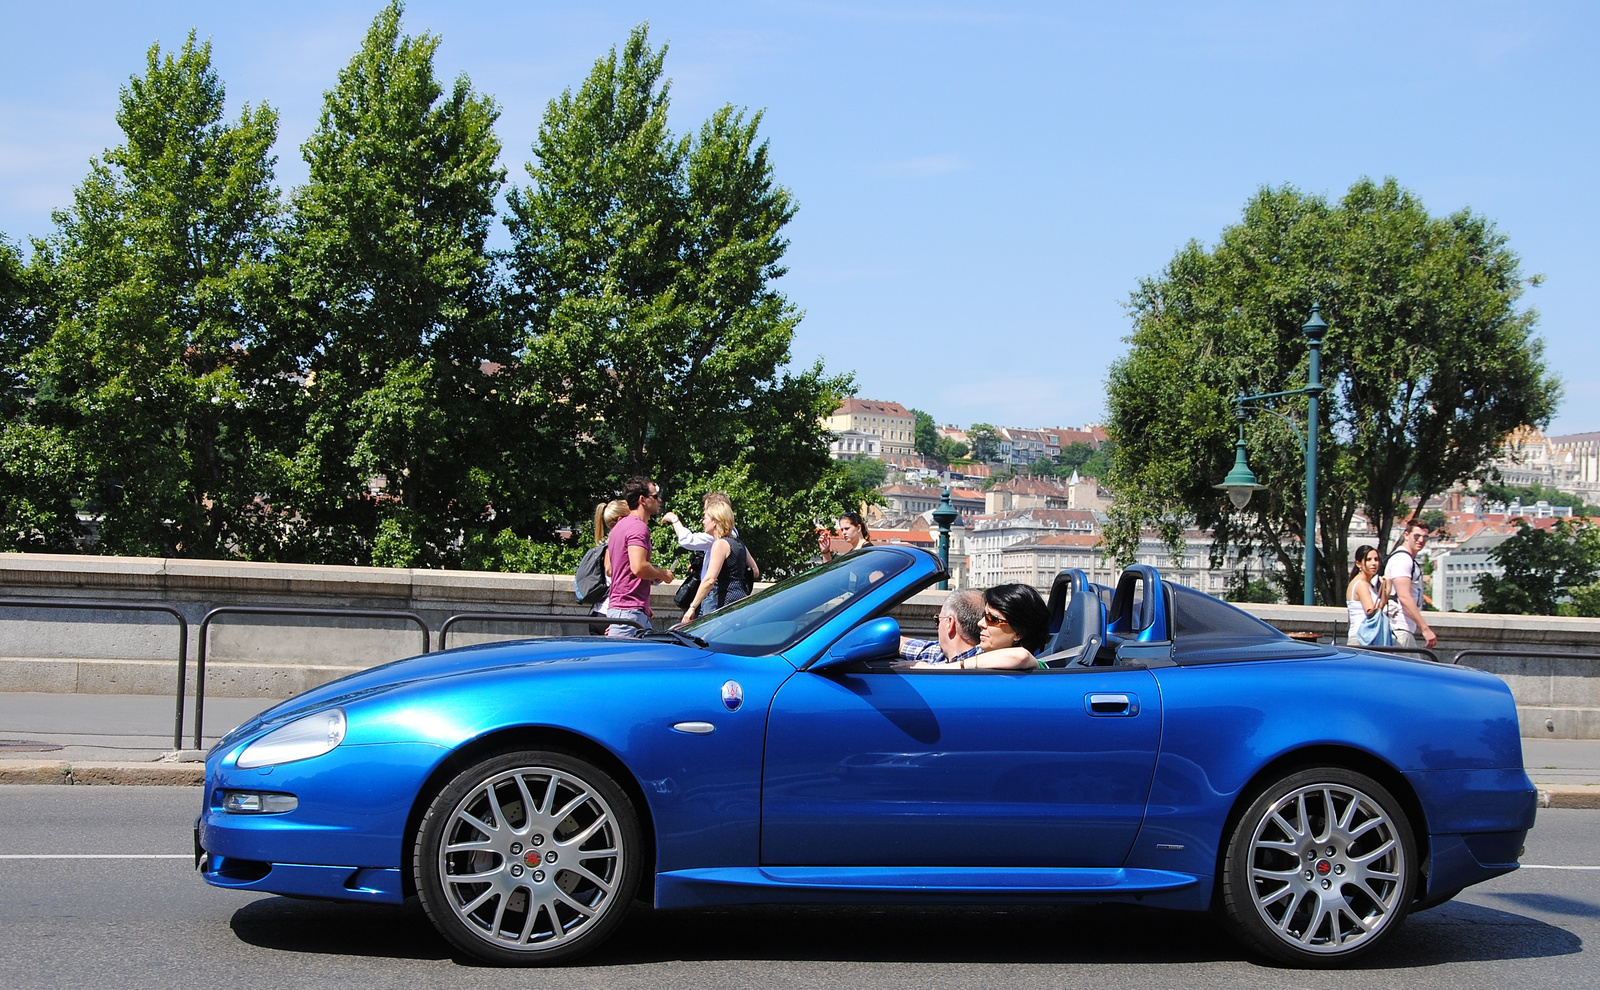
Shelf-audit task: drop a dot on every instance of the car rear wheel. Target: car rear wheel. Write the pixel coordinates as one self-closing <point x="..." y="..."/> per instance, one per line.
<point x="1319" y="869"/>
<point x="528" y="858"/>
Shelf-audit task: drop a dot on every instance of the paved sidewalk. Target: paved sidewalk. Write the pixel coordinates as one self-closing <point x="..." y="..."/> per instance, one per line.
<point x="135" y="728"/>
<point x="86" y="738"/>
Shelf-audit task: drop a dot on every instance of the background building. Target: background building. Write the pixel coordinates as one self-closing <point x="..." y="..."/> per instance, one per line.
<point x="1455" y="570"/>
<point x="890" y="422"/>
<point x="850" y="445"/>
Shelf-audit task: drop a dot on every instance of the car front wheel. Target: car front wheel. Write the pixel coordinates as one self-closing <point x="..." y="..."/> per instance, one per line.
<point x="528" y="858"/>
<point x="1319" y="870"/>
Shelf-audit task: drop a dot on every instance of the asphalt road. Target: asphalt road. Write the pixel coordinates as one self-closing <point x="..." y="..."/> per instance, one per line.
<point x="130" y="918"/>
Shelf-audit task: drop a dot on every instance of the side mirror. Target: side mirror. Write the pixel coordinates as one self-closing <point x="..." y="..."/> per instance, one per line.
<point x="875" y="640"/>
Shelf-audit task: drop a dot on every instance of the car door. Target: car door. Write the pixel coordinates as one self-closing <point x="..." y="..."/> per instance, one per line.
<point x="958" y="767"/>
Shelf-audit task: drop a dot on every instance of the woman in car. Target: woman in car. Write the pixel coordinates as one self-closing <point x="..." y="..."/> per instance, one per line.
<point x="1015" y="626"/>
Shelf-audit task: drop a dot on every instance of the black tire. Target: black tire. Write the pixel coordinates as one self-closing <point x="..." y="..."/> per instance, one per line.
<point x="1286" y="896"/>
<point x="528" y="888"/>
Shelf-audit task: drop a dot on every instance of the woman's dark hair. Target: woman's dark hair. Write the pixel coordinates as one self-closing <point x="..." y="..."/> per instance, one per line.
<point x="861" y="524"/>
<point x="1361" y="554"/>
<point x="1025" y="610"/>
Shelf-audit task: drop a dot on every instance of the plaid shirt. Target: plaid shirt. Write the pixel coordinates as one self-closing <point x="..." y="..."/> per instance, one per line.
<point x="927" y="651"/>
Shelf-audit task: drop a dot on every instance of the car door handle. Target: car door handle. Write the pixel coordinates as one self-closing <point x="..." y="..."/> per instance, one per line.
<point x="1111" y="704"/>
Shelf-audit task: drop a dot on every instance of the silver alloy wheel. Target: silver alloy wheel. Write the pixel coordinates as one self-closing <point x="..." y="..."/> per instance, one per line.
<point x="530" y="858"/>
<point x="1326" y="866"/>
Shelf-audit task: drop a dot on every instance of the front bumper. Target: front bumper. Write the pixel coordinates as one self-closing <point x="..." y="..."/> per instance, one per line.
<point x="340" y="883"/>
<point x="347" y="838"/>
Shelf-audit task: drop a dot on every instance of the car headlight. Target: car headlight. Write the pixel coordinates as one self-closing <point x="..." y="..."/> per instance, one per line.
<point x="301" y="739"/>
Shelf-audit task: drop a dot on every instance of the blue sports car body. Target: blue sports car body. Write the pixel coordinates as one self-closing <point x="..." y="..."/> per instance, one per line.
<point x="1174" y="751"/>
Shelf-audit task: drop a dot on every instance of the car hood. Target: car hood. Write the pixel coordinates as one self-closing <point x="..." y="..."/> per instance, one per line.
<point x="632" y="654"/>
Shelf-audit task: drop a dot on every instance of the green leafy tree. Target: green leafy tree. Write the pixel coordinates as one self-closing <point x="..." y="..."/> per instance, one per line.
<point x="1429" y="363"/>
<point x="408" y="424"/>
<point x="1099" y="465"/>
<point x="1088" y="461"/>
<point x="41" y="470"/>
<point x="147" y="378"/>
<point x="985" y="441"/>
<point x="1585" y="602"/>
<point x="1074" y="456"/>
<point x="18" y="329"/>
<point x="925" y="438"/>
<point x="946" y="449"/>
<point x="866" y="473"/>
<point x="1542" y="570"/>
<point x="641" y="269"/>
<point x="1255" y="591"/>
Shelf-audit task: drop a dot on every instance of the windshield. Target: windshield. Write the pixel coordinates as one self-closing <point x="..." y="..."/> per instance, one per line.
<point x="779" y="617"/>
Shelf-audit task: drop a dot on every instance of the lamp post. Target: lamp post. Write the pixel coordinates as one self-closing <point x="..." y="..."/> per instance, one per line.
<point x="944" y="516"/>
<point x="1240" y="483"/>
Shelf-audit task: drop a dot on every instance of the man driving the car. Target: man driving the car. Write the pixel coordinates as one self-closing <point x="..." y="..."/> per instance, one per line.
<point x="958" y="631"/>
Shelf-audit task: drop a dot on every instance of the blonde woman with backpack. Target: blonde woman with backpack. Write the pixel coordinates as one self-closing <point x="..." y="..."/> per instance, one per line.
<point x="606" y="515"/>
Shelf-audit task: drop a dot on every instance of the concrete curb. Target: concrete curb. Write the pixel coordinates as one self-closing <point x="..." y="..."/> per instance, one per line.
<point x="61" y="772"/>
<point x="1569" y="796"/>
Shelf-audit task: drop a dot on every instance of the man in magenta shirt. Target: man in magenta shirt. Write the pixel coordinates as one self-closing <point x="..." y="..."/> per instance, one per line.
<point x="629" y="548"/>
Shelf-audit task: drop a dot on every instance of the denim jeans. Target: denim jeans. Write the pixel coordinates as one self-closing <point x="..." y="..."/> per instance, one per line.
<point x="627" y="632"/>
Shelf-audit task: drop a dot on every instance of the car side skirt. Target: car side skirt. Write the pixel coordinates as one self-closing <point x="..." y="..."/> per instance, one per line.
<point x="926" y="884"/>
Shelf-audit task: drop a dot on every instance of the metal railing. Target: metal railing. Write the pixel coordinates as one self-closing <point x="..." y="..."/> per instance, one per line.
<point x="569" y="620"/>
<point x="320" y="613"/>
<point x="106" y="606"/>
<point x="525" y="617"/>
<point x="1421" y="651"/>
<point x="323" y="613"/>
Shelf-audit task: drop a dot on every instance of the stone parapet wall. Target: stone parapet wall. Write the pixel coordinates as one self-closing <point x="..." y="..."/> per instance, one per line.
<point x="107" y="652"/>
<point x="1558" y="696"/>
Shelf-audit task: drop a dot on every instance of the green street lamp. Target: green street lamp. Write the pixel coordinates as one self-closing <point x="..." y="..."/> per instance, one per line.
<point x="1241" y="482"/>
<point x="944" y="517"/>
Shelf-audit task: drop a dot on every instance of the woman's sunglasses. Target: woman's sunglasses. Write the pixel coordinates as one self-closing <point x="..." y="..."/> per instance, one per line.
<point x="994" y="618"/>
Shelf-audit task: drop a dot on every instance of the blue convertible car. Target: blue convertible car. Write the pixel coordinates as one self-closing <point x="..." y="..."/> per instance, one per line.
<point x="1174" y="751"/>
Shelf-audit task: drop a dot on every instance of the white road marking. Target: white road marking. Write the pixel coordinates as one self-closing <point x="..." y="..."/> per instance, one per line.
<point x="1541" y="866"/>
<point x="96" y="855"/>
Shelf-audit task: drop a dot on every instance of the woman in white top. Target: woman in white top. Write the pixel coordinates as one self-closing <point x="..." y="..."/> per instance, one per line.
<point x="1366" y="593"/>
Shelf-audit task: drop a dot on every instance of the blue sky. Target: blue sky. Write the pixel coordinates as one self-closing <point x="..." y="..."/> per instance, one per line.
<point x="980" y="185"/>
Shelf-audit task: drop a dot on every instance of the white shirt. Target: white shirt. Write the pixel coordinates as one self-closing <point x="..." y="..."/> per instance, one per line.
<point x="699" y="541"/>
<point x="1402" y="564"/>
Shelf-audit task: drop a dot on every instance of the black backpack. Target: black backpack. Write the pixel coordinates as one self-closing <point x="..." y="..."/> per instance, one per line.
<point x="589" y="581"/>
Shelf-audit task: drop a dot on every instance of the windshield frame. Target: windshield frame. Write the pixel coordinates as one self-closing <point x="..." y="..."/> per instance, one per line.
<point x="805" y="602"/>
